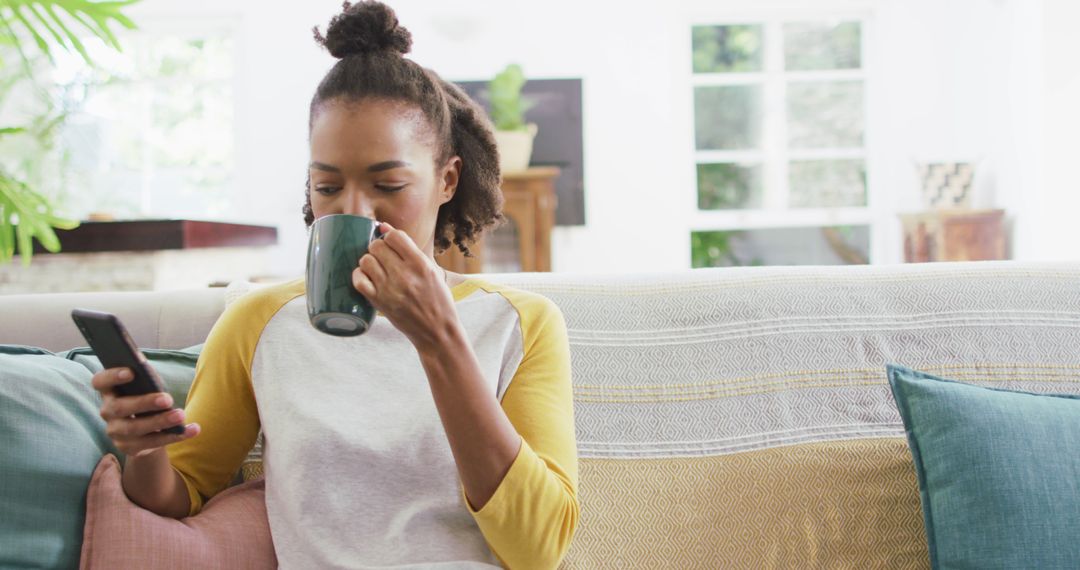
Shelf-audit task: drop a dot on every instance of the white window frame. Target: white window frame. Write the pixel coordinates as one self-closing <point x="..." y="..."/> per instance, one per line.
<point x="774" y="155"/>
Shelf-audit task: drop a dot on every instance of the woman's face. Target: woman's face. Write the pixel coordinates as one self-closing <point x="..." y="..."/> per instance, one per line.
<point x="376" y="158"/>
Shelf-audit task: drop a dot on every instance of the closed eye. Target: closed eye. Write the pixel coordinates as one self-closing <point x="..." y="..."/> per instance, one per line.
<point x="390" y="188"/>
<point x="327" y="190"/>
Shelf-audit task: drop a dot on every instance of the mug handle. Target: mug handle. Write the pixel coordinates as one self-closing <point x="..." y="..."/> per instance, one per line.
<point x="376" y="233"/>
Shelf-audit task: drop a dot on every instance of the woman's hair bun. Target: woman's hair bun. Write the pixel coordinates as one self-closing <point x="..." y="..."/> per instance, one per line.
<point x="365" y="27"/>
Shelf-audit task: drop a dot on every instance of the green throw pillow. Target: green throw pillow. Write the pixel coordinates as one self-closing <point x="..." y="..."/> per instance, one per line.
<point x="998" y="470"/>
<point x="51" y="439"/>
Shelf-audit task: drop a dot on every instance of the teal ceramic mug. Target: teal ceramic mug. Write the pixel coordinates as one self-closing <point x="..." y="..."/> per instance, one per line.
<point x="336" y="244"/>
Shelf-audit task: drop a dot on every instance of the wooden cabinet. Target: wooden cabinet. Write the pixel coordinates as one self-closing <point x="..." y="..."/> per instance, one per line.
<point x="522" y="244"/>
<point x="954" y="235"/>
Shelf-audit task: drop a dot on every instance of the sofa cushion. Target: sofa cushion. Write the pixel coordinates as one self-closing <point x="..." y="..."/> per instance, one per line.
<point x="999" y="472"/>
<point x="52" y="438"/>
<point x="231" y="531"/>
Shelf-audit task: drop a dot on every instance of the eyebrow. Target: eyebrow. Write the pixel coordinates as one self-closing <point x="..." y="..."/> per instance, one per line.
<point x="377" y="167"/>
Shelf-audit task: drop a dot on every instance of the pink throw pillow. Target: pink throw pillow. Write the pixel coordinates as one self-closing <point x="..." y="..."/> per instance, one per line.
<point x="231" y="531"/>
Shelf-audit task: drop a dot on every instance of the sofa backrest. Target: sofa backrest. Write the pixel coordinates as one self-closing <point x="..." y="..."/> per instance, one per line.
<point x="741" y="418"/>
<point x="736" y="417"/>
<point x="155" y="319"/>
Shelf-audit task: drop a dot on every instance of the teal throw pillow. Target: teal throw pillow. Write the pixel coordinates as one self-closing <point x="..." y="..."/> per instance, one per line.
<point x="51" y="439"/>
<point x="998" y="471"/>
<point x="176" y="367"/>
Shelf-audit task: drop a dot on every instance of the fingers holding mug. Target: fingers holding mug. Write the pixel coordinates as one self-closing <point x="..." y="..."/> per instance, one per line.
<point x="373" y="268"/>
<point x="362" y="283"/>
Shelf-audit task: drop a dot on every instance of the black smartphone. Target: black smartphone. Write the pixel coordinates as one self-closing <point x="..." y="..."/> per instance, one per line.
<point x="115" y="348"/>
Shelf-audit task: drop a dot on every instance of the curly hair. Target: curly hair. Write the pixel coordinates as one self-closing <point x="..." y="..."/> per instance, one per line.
<point x="371" y="45"/>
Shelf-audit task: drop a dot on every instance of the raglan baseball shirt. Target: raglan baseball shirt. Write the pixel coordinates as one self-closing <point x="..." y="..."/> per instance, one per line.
<point x="358" y="469"/>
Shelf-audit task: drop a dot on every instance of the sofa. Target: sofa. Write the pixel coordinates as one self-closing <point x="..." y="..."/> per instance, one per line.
<point x="737" y="417"/>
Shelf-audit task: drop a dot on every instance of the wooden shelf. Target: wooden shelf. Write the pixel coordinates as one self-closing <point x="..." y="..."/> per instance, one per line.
<point x="154" y="235"/>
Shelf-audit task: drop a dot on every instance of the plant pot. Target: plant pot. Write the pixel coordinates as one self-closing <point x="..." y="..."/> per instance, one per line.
<point x="515" y="148"/>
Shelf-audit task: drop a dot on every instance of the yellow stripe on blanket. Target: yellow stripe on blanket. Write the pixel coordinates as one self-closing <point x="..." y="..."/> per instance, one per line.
<point x="834" y="504"/>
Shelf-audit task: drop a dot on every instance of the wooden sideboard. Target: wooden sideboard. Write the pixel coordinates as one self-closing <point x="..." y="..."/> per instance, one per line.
<point x="529" y="202"/>
<point x="954" y="235"/>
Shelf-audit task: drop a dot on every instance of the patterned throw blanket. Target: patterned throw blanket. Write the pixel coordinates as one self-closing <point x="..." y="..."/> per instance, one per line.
<point x="741" y="418"/>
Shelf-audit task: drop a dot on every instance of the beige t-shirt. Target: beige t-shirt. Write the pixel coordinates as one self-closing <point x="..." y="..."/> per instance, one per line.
<point x="358" y="469"/>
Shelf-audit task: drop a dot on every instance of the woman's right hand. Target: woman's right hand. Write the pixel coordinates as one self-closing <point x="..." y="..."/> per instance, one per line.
<point x="137" y="436"/>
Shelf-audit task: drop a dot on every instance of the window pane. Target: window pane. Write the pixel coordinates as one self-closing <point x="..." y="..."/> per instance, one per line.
<point x="825" y="114"/>
<point x="728" y="186"/>
<point x="827" y="183"/>
<point x="727" y="117"/>
<point x="843" y="245"/>
<point x="154" y="131"/>
<point x="822" y="45"/>
<point x="720" y="49"/>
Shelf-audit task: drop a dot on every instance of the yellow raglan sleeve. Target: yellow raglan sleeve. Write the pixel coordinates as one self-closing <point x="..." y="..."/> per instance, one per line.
<point x="222" y="399"/>
<point x="530" y="520"/>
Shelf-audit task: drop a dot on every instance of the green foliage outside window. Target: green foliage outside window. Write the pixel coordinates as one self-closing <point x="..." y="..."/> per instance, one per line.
<point x="728" y="186"/>
<point x="822" y="45"/>
<point x="727" y="49"/>
<point x="715" y="249"/>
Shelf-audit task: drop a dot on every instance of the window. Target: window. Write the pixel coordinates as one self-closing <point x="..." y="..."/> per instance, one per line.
<point x="780" y="143"/>
<point x="150" y="132"/>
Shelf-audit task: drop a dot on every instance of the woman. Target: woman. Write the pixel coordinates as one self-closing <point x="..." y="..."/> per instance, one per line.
<point x="366" y="463"/>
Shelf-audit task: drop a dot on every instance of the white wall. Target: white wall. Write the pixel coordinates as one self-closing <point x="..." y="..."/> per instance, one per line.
<point x="633" y="175"/>
<point x="949" y="80"/>
<point x="1059" y="232"/>
<point x="959" y="80"/>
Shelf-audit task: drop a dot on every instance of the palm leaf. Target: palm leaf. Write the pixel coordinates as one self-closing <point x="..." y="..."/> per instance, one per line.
<point x="74" y="39"/>
<point x="7" y="33"/>
<point x="94" y="17"/>
<point x="7" y="229"/>
<point x="25" y="240"/>
<point x="36" y="221"/>
<point x="45" y="23"/>
<point x="46" y="236"/>
<point x="38" y="39"/>
<point x="98" y="14"/>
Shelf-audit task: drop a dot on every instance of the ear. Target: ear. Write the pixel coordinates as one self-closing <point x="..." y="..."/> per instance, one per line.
<point x="451" y="174"/>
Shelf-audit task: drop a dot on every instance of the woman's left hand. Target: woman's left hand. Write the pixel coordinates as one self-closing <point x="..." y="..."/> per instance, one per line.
<point x="407" y="287"/>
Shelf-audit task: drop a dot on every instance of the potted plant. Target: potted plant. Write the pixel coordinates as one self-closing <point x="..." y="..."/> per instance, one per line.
<point x="25" y="214"/>
<point x="513" y="136"/>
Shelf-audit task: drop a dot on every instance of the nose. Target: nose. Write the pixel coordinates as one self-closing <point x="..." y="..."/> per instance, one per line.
<point x="357" y="203"/>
